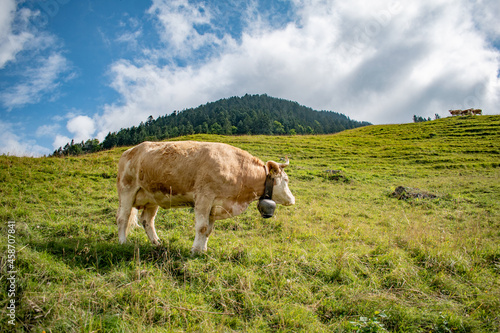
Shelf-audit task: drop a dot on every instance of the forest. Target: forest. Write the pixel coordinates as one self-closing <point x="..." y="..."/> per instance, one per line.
<point x="247" y="115"/>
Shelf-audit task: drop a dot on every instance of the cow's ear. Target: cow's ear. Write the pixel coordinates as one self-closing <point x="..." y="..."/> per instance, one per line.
<point x="274" y="168"/>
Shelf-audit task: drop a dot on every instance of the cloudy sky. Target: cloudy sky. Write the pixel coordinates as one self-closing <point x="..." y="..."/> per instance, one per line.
<point x="78" y="69"/>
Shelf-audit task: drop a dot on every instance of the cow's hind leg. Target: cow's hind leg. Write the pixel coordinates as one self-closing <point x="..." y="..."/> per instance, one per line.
<point x="204" y="223"/>
<point x="126" y="216"/>
<point x="148" y="222"/>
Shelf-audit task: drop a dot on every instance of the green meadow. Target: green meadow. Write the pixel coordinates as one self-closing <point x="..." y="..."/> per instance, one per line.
<point x="347" y="257"/>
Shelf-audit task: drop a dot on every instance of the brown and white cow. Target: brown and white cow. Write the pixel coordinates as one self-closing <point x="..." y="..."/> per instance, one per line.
<point x="218" y="180"/>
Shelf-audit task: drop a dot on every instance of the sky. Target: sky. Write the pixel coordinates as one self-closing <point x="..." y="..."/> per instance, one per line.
<point x="79" y="69"/>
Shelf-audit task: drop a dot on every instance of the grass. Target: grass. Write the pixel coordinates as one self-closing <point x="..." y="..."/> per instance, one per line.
<point x="346" y="258"/>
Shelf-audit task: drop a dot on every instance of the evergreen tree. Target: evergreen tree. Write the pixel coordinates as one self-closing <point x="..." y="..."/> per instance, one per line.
<point x="278" y="128"/>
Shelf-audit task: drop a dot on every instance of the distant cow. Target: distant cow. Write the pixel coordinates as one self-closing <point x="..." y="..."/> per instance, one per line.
<point x="455" y="112"/>
<point x="477" y="112"/>
<point x="218" y="180"/>
<point x="467" y="112"/>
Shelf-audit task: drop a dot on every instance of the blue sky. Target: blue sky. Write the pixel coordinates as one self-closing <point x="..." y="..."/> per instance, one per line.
<point x="78" y="69"/>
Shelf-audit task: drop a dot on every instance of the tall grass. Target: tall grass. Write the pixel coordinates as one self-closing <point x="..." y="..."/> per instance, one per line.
<point x="347" y="257"/>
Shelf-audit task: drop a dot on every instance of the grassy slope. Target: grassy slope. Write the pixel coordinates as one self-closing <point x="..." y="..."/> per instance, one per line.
<point x="344" y="252"/>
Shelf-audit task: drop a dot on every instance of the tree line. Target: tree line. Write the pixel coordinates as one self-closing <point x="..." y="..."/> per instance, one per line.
<point x="419" y="119"/>
<point x="247" y="115"/>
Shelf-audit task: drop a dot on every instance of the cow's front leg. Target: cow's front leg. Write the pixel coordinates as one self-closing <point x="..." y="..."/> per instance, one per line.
<point x="148" y="222"/>
<point x="203" y="225"/>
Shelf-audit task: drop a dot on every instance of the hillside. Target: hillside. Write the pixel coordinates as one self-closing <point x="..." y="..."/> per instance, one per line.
<point x="250" y="115"/>
<point x="348" y="257"/>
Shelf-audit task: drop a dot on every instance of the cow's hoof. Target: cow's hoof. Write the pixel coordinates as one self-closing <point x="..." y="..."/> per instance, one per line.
<point x="196" y="251"/>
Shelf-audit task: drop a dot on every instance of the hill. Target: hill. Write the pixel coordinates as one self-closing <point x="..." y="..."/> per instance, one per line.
<point x="348" y="257"/>
<point x="250" y="114"/>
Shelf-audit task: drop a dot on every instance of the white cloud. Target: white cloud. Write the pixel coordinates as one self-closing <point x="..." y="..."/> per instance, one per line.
<point x="23" y="44"/>
<point x="486" y="14"/>
<point x="82" y="128"/>
<point x="185" y="28"/>
<point x="130" y="38"/>
<point x="12" y="42"/>
<point x="178" y="19"/>
<point x="38" y="81"/>
<point x="378" y="61"/>
<point x="13" y="144"/>
<point x="47" y="130"/>
<point x="130" y="33"/>
<point x="60" y="141"/>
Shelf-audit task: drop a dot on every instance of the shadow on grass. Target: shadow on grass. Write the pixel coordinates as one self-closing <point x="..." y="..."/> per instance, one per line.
<point x="102" y="257"/>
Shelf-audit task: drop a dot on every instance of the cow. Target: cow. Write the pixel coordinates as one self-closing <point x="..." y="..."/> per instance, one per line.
<point x="477" y="112"/>
<point x="467" y="112"/>
<point x="455" y="112"/>
<point x="218" y="180"/>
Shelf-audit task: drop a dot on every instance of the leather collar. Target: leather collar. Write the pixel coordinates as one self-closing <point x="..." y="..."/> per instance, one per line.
<point x="268" y="190"/>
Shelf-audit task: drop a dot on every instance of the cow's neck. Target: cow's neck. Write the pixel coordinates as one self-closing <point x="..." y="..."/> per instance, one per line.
<point x="252" y="179"/>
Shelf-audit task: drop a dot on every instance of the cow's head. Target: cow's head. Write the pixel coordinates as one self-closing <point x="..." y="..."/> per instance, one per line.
<point x="281" y="193"/>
